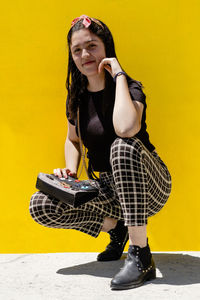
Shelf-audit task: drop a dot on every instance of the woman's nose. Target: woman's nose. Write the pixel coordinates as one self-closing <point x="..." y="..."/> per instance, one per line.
<point x="85" y="53"/>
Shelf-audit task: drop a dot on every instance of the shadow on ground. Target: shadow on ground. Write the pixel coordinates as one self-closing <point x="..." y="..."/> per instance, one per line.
<point x="176" y="269"/>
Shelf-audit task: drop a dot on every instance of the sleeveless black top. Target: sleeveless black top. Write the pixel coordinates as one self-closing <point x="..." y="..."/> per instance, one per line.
<point x="97" y="131"/>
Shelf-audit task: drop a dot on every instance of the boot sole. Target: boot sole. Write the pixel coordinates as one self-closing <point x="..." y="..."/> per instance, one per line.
<point x="149" y="276"/>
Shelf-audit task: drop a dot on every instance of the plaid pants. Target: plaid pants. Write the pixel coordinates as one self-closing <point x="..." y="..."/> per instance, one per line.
<point x="137" y="188"/>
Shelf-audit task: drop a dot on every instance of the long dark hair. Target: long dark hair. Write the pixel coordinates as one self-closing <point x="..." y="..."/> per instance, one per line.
<point x="76" y="82"/>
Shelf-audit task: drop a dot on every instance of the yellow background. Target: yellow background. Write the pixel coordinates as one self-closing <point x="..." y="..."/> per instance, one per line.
<point x="157" y="42"/>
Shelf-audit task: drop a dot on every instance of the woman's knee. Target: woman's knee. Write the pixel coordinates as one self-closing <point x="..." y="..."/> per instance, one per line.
<point x="124" y="149"/>
<point x="37" y="203"/>
<point x="43" y="209"/>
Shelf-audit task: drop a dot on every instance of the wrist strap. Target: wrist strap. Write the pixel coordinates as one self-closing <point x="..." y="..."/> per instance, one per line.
<point x="118" y="74"/>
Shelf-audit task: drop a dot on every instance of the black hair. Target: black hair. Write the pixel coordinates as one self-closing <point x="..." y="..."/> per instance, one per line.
<point x="76" y="82"/>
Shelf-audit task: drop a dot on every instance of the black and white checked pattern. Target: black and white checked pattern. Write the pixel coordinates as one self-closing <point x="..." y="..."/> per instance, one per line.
<point x="142" y="180"/>
<point x="138" y="188"/>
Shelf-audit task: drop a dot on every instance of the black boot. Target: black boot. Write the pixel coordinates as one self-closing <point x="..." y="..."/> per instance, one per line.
<point x="118" y="240"/>
<point x="138" y="268"/>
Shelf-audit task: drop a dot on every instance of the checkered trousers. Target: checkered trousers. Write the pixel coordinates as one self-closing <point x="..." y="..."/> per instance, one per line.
<point x="137" y="188"/>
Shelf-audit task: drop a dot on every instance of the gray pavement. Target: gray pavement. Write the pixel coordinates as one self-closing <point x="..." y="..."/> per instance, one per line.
<point x="63" y="276"/>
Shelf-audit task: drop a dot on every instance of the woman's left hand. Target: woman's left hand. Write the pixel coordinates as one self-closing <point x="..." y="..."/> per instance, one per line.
<point x="111" y="64"/>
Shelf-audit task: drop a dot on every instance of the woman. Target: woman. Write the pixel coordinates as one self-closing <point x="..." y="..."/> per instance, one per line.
<point x="134" y="182"/>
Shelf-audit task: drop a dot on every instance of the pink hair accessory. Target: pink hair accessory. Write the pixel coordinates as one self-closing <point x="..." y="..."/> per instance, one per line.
<point x="86" y="21"/>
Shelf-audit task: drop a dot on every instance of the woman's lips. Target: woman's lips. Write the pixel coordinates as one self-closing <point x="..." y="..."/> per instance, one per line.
<point x="88" y="62"/>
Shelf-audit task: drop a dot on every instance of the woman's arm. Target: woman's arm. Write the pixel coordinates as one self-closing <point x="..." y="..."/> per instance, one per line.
<point x="127" y="114"/>
<point x="72" y="154"/>
<point x="72" y="149"/>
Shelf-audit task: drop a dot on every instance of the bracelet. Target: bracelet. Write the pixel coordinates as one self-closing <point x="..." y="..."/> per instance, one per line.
<point x="118" y="74"/>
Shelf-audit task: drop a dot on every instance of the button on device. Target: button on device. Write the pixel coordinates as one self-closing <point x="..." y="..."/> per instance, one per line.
<point x="84" y="187"/>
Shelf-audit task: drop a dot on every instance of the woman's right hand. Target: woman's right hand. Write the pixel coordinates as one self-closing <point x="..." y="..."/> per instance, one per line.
<point x="64" y="173"/>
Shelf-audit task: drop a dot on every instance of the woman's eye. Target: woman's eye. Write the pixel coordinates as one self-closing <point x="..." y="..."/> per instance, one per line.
<point x="91" y="46"/>
<point x="77" y="50"/>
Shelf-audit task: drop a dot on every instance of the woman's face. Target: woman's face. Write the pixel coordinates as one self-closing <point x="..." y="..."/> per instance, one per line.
<point x="87" y="51"/>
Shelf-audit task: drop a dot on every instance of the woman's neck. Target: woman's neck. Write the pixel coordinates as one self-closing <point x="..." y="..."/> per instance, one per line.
<point x="96" y="83"/>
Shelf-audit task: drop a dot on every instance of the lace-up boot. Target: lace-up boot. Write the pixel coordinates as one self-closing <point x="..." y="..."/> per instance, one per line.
<point x="138" y="268"/>
<point x="118" y="240"/>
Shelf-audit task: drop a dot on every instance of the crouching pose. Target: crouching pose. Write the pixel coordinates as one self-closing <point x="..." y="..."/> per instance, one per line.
<point x="134" y="183"/>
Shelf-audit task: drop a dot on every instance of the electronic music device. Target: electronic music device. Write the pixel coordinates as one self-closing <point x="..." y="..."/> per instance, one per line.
<point x="69" y="190"/>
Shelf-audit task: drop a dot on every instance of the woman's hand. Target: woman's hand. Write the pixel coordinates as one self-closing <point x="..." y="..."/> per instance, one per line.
<point x="64" y="173"/>
<point x="111" y="65"/>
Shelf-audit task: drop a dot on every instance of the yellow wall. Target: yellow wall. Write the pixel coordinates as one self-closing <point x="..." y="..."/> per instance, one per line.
<point x="157" y="42"/>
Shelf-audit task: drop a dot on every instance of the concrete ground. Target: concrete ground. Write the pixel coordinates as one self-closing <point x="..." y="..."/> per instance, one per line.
<point x="63" y="276"/>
